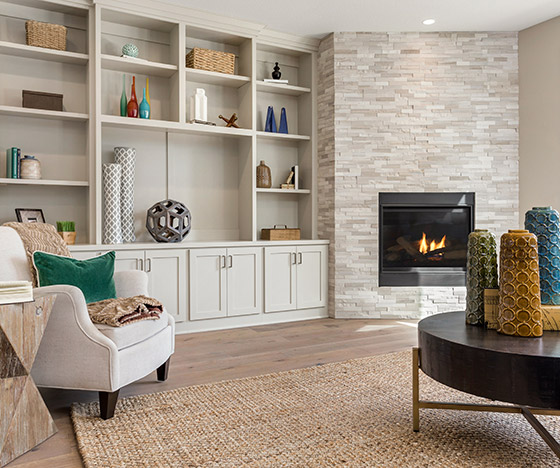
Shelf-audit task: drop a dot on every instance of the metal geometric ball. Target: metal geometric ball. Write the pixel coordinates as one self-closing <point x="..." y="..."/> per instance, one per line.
<point x="168" y="221"/>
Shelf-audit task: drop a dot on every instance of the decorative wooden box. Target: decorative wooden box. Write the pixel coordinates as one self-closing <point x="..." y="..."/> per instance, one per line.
<point x="40" y="100"/>
<point x="280" y="233"/>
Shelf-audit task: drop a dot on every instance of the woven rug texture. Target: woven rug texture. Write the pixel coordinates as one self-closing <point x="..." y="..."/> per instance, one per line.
<point x="355" y="413"/>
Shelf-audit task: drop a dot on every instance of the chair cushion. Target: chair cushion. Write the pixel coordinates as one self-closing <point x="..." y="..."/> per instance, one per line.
<point x="93" y="276"/>
<point x="134" y="333"/>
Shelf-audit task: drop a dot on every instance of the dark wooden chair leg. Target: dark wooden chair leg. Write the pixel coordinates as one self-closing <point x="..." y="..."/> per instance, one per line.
<point x="163" y="370"/>
<point x="107" y="403"/>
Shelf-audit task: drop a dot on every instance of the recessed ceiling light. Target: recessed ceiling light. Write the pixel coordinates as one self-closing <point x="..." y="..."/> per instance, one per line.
<point x="429" y="22"/>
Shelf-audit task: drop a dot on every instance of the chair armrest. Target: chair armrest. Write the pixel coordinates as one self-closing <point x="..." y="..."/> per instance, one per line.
<point x="131" y="283"/>
<point x="74" y="353"/>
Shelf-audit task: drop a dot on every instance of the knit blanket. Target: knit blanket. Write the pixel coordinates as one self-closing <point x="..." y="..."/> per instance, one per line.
<point x="124" y="310"/>
<point x="39" y="236"/>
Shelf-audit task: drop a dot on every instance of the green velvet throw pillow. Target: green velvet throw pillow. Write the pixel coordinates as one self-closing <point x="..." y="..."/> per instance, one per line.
<point x="93" y="276"/>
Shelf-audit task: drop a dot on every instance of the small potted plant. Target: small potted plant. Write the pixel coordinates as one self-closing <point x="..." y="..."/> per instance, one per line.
<point x="67" y="230"/>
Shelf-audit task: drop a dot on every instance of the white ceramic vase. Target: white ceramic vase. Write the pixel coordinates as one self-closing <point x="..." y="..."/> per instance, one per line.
<point x="126" y="157"/>
<point x="112" y="229"/>
<point x="199" y="105"/>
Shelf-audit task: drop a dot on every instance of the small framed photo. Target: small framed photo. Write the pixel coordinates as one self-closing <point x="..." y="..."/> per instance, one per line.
<point x="30" y="215"/>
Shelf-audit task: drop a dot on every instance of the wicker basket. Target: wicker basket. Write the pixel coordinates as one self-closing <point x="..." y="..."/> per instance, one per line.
<point x="211" y="60"/>
<point x="49" y="36"/>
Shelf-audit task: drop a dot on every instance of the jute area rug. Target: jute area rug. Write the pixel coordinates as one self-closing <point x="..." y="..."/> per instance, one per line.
<point x="355" y="413"/>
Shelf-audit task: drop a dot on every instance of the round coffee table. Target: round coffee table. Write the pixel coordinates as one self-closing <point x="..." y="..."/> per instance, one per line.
<point x="521" y="371"/>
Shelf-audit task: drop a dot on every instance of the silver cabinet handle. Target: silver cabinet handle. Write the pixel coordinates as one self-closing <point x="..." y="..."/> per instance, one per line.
<point x="295" y="259"/>
<point x="141" y="263"/>
<point x="223" y="258"/>
<point x="230" y="261"/>
<point x="148" y="265"/>
<point x="300" y="255"/>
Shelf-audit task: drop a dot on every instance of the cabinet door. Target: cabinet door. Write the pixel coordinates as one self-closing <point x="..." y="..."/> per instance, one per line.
<point x="312" y="276"/>
<point x="244" y="281"/>
<point x="207" y="283"/>
<point x="279" y="278"/>
<point x="85" y="255"/>
<point x="167" y="282"/>
<point x="126" y="260"/>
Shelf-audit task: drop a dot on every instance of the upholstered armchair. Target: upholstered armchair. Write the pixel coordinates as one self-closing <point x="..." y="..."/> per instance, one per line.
<point x="77" y="354"/>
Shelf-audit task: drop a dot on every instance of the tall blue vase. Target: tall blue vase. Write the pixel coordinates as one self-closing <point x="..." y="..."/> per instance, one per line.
<point x="544" y="222"/>
<point x="283" y="122"/>
<point x="144" y="109"/>
<point x="270" y="124"/>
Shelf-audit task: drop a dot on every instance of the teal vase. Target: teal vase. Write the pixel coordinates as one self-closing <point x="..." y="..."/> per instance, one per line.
<point x="544" y="222"/>
<point x="124" y="100"/>
<point x="144" y="107"/>
<point x="482" y="272"/>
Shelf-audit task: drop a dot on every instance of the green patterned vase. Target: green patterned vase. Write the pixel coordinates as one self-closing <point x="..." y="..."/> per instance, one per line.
<point x="482" y="272"/>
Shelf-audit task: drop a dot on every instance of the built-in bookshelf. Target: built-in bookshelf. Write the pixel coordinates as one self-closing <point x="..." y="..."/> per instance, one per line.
<point x="212" y="169"/>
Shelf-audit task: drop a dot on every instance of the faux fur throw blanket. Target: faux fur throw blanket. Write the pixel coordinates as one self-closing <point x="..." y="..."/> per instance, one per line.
<point x="39" y="236"/>
<point x="124" y="310"/>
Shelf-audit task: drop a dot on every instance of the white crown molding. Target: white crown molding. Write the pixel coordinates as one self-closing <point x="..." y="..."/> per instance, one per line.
<point x="163" y="10"/>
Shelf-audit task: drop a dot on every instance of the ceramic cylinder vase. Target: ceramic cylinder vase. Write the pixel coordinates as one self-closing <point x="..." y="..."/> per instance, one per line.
<point x="482" y="272"/>
<point x="112" y="229"/>
<point x="126" y="158"/>
<point x="264" y="178"/>
<point x="544" y="222"/>
<point x="30" y="168"/>
<point x="519" y="310"/>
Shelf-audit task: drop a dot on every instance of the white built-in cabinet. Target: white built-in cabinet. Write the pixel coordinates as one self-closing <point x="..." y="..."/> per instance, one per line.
<point x="225" y="282"/>
<point x="167" y="274"/>
<point x="295" y="277"/>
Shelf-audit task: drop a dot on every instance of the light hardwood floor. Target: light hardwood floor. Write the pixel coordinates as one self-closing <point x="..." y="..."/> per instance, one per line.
<point x="229" y="354"/>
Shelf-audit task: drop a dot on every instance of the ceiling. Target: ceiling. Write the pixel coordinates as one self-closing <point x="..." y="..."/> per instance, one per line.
<point x="319" y="17"/>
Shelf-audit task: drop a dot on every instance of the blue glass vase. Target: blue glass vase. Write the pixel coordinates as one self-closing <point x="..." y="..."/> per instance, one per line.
<point x="270" y="124"/>
<point x="544" y="222"/>
<point x="144" y="109"/>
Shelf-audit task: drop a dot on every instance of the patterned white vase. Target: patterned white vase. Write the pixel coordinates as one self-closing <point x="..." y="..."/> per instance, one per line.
<point x="112" y="230"/>
<point x="126" y="157"/>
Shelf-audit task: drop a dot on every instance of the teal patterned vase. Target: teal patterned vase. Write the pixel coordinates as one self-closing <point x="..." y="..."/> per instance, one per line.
<point x="130" y="50"/>
<point x="482" y="272"/>
<point x="544" y="222"/>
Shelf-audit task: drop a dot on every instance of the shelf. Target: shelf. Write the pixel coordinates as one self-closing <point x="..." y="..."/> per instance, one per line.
<point x="214" y="78"/>
<point x="44" y="114"/>
<point x="280" y="88"/>
<point x="40" y="53"/>
<point x="162" y="125"/>
<point x="64" y="183"/>
<point x="137" y="66"/>
<point x="278" y="190"/>
<point x="282" y="136"/>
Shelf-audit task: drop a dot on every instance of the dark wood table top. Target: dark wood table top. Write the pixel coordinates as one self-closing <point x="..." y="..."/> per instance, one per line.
<point x="523" y="371"/>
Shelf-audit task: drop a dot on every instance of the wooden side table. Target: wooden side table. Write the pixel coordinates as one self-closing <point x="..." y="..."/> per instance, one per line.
<point x="25" y="420"/>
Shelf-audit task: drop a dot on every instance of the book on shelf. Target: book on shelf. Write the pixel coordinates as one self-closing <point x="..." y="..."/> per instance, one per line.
<point x="268" y="80"/>
<point x="295" y="170"/>
<point x="13" y="157"/>
<point x="15" y="292"/>
<point x="287" y="186"/>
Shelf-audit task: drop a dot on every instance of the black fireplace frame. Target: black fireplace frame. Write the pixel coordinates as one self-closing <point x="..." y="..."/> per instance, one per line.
<point x="423" y="276"/>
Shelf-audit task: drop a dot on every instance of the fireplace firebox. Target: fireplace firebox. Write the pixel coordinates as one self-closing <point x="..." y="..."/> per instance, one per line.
<point x="423" y="238"/>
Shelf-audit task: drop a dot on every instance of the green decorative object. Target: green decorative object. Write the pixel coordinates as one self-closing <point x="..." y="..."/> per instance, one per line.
<point x="93" y="276"/>
<point x="519" y="309"/>
<point x="482" y="272"/>
<point x="130" y="50"/>
<point x="65" y="226"/>
<point x="124" y="100"/>
<point x="544" y="222"/>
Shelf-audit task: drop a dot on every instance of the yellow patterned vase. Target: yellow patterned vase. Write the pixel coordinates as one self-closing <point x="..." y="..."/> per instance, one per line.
<point x="519" y="311"/>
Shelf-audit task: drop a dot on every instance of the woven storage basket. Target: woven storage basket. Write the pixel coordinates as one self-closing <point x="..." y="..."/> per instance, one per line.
<point x="211" y="60"/>
<point x="49" y="36"/>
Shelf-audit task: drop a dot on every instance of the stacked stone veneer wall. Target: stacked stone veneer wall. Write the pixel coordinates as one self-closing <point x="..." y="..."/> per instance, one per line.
<point x="410" y="112"/>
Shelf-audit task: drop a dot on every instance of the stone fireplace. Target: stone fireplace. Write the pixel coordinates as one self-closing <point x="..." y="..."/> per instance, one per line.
<point x="423" y="238"/>
<point x="411" y="112"/>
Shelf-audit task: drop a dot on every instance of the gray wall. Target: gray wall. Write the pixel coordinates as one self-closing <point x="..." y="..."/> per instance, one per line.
<point x="411" y="112"/>
<point x="539" y="117"/>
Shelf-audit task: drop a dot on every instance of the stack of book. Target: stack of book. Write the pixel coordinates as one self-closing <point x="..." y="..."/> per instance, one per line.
<point x="13" y="158"/>
<point x="14" y="292"/>
<point x="292" y="182"/>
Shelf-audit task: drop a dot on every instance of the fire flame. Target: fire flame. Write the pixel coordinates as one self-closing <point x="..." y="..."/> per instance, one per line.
<point x="425" y="248"/>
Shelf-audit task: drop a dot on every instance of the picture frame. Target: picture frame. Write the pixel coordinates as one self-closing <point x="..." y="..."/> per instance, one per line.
<point x="30" y="215"/>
